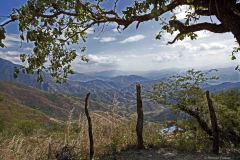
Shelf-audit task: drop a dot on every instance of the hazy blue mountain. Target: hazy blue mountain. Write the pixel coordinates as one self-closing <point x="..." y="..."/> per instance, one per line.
<point x="108" y="74"/>
<point x="122" y="87"/>
<point x="104" y="87"/>
<point x="81" y="77"/>
<point x="223" y="86"/>
<point x="162" y="74"/>
<point x="7" y="70"/>
<point x="228" y="75"/>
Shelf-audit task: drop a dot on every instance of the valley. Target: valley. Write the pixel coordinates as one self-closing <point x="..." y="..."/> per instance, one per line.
<point x="107" y="92"/>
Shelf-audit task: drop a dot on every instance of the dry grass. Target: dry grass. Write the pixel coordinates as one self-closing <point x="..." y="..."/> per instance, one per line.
<point x="112" y="133"/>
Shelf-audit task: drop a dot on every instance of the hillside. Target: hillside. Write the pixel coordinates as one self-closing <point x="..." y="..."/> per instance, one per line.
<point x="57" y="100"/>
<point x="20" y="102"/>
<point x="11" y="113"/>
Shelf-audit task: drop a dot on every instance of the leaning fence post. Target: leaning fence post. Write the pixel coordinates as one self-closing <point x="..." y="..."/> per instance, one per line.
<point x="90" y="134"/>
<point x="214" y="124"/>
<point x="139" y="126"/>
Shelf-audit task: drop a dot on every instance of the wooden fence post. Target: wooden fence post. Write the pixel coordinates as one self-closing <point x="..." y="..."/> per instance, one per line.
<point x="139" y="126"/>
<point x="214" y="124"/>
<point x="90" y="134"/>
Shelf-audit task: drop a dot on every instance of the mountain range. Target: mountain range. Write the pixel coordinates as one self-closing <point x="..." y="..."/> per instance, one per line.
<point x="107" y="89"/>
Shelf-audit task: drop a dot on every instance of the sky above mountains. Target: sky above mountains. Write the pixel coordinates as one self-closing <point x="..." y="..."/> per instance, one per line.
<point x="131" y="49"/>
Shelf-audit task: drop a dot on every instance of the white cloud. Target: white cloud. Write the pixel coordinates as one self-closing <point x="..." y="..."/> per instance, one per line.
<point x="203" y="34"/>
<point x="12" y="40"/>
<point x="182" y="11"/>
<point x="102" y="59"/>
<point x="13" y="37"/>
<point x="108" y="39"/>
<point x="158" y="58"/>
<point x="12" y="56"/>
<point x="212" y="46"/>
<point x="96" y="38"/>
<point x="28" y="49"/>
<point x="115" y="30"/>
<point x="96" y="63"/>
<point x="90" y="31"/>
<point x="182" y="46"/>
<point x="133" y="38"/>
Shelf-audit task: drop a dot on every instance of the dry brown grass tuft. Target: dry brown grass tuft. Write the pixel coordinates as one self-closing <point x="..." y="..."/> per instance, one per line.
<point x="112" y="133"/>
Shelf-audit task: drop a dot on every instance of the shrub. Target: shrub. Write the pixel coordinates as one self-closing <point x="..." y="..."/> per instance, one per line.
<point x="66" y="153"/>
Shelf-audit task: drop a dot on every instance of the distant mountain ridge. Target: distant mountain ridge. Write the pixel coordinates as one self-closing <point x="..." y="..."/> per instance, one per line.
<point x="223" y="86"/>
<point x="104" y="90"/>
<point x="103" y="87"/>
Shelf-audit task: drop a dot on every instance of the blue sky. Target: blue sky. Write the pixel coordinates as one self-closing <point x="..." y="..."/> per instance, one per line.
<point x="134" y="50"/>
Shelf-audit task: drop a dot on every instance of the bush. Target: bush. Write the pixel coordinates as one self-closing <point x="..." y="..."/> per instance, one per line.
<point x="152" y="136"/>
<point x="67" y="153"/>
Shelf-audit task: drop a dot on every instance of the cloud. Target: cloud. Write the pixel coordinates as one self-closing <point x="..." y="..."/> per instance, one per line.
<point x="28" y="49"/>
<point x="12" y="56"/>
<point x="203" y="34"/>
<point x="182" y="11"/>
<point x="189" y="47"/>
<point x="96" y="63"/>
<point x="115" y="30"/>
<point x="212" y="46"/>
<point x="102" y="59"/>
<point x="13" y="37"/>
<point x="12" y="40"/>
<point x="90" y="31"/>
<point x="107" y="39"/>
<point x="158" y="58"/>
<point x="96" y="38"/>
<point x="133" y="38"/>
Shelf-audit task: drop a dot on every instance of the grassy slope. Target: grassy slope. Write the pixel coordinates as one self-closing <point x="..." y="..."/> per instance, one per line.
<point x="19" y="103"/>
<point x="51" y="104"/>
<point x="11" y="113"/>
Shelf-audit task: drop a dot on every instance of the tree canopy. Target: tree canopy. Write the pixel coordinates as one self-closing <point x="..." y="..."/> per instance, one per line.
<point x="54" y="25"/>
<point x="184" y="94"/>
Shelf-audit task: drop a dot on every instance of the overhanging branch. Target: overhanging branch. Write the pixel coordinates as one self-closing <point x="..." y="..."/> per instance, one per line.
<point x="183" y="29"/>
<point x="12" y="19"/>
<point x="204" y="12"/>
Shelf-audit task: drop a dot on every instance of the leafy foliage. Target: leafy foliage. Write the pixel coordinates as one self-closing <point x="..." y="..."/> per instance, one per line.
<point x="184" y="94"/>
<point x="228" y="110"/>
<point x="182" y="89"/>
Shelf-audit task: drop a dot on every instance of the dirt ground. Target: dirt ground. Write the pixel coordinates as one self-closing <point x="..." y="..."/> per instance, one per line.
<point x="163" y="154"/>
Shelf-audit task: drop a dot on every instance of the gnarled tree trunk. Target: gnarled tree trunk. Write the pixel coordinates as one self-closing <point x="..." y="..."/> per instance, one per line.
<point x="215" y="132"/>
<point x="228" y="13"/>
<point x="139" y="126"/>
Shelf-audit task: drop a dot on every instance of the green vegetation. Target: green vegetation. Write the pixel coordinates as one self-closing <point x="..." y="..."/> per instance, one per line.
<point x="27" y="133"/>
<point x="184" y="95"/>
<point x="39" y="125"/>
<point x="1" y="98"/>
<point x="27" y="127"/>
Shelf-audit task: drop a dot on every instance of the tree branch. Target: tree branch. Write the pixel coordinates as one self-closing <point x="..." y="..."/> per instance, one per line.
<point x="140" y="18"/>
<point x="183" y="29"/>
<point x="201" y="122"/>
<point x="204" y="12"/>
<point x="12" y="19"/>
